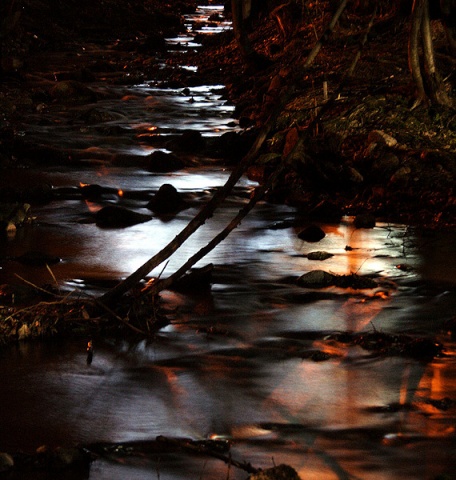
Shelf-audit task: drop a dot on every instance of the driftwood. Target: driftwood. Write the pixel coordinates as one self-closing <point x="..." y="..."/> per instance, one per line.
<point x="161" y="445"/>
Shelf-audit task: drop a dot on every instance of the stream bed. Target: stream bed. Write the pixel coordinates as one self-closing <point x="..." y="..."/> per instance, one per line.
<point x="257" y="360"/>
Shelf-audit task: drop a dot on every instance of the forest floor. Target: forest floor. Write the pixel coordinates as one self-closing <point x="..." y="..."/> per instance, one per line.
<point x="371" y="151"/>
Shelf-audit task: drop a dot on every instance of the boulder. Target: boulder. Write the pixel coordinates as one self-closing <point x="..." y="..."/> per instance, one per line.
<point x="316" y="279"/>
<point x="190" y="141"/>
<point x="312" y="233"/>
<point x="364" y="220"/>
<point x="114" y="216"/>
<point x="319" y="255"/>
<point x="162" y="162"/>
<point x="167" y="200"/>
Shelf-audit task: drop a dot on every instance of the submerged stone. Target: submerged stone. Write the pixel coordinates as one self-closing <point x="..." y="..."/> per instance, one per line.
<point x="113" y="216"/>
<point x="319" y="255"/>
<point x="316" y="279"/>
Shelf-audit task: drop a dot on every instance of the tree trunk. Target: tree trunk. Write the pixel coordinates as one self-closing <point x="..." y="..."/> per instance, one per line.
<point x="238" y="7"/>
<point x="241" y="8"/>
<point x="413" y="50"/>
<point x="429" y="85"/>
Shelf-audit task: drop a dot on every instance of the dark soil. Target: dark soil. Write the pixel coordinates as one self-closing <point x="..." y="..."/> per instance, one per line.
<point x="370" y="152"/>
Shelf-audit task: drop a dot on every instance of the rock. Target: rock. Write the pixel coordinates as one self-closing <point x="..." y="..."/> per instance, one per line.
<point x="190" y="141"/>
<point x="232" y="145"/>
<point x="385" y="165"/>
<point x="39" y="194"/>
<point x="319" y="255"/>
<point x="69" y="457"/>
<point x="6" y="462"/>
<point x="280" y="472"/>
<point x="197" y="280"/>
<point x="354" y="176"/>
<point x="380" y="137"/>
<point x="312" y="233"/>
<point x="154" y="42"/>
<point x="364" y="220"/>
<point x="71" y="91"/>
<point x="113" y="216"/>
<point x="316" y="279"/>
<point x="291" y="140"/>
<point x="91" y="191"/>
<point x="162" y="162"/>
<point x="24" y="332"/>
<point x="7" y="228"/>
<point x="401" y="177"/>
<point x="322" y="279"/>
<point x="15" y="214"/>
<point x="167" y="200"/>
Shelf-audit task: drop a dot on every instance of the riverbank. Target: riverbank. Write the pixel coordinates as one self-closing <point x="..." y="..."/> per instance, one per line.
<point x="370" y="152"/>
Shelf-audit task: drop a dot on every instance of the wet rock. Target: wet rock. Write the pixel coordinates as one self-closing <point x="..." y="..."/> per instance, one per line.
<point x="24" y="332"/>
<point x="6" y="462"/>
<point x="380" y="137"/>
<point x="162" y="162"/>
<point x="326" y="211"/>
<point x="353" y="176"/>
<point x="401" y="177"/>
<point x="312" y="233"/>
<point x="114" y="216"/>
<point x="198" y="280"/>
<point x="189" y="142"/>
<point x="8" y="229"/>
<point x="319" y="255"/>
<point x="13" y="215"/>
<point x="69" y="457"/>
<point x="154" y="42"/>
<point x="364" y="220"/>
<point x="91" y="192"/>
<point x="72" y="91"/>
<point x="167" y="200"/>
<point x="232" y="145"/>
<point x="280" y="472"/>
<point x="322" y="279"/>
<point x="316" y="279"/>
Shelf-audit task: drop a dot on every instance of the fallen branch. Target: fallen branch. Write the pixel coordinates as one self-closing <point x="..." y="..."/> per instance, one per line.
<point x="208" y="210"/>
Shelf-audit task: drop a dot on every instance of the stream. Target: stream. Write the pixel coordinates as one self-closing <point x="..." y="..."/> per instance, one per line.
<point x="257" y="359"/>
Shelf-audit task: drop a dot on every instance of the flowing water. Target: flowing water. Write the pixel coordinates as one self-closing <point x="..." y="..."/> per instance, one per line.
<point x="253" y="360"/>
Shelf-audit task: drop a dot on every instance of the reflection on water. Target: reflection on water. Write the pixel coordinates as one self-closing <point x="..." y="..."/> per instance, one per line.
<point x="233" y="364"/>
<point x="224" y="367"/>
